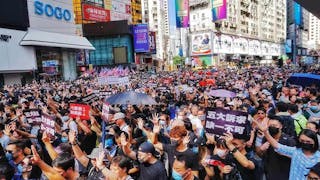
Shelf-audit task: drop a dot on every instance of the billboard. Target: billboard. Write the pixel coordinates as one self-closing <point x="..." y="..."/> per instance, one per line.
<point x="219" y="10"/>
<point x="201" y="44"/>
<point x="288" y="46"/>
<point x="297" y="13"/>
<point x="182" y="13"/>
<point x="141" y="38"/>
<point x="152" y="42"/>
<point x="93" y="13"/>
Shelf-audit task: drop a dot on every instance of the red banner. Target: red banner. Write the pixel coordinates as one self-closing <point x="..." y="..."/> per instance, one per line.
<point x="93" y="13"/>
<point x="80" y="110"/>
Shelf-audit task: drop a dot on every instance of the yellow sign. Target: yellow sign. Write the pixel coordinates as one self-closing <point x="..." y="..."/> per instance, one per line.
<point x="107" y="4"/>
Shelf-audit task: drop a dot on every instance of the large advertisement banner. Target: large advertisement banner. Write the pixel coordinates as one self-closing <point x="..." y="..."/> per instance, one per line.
<point x="220" y="121"/>
<point x="152" y="42"/>
<point x="93" y="13"/>
<point x="141" y="38"/>
<point x="201" y="44"/>
<point x="219" y="10"/>
<point x="182" y="13"/>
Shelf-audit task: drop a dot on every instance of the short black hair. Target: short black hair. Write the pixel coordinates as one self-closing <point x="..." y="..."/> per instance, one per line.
<point x="293" y="108"/>
<point x="123" y="162"/>
<point x="183" y="158"/>
<point x="282" y="106"/>
<point x="315" y="124"/>
<point x="64" y="161"/>
<point x="19" y="144"/>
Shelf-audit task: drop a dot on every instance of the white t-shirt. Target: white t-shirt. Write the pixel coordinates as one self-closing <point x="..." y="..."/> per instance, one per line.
<point x="195" y="121"/>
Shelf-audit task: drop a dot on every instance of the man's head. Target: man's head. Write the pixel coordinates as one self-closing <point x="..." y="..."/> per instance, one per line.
<point x="194" y="110"/>
<point x="180" y="167"/>
<point x="15" y="150"/>
<point x="177" y="134"/>
<point x="275" y="126"/>
<point x="314" y="173"/>
<point x="282" y="107"/>
<point x="313" y="126"/>
<point x="146" y="152"/>
<point x="64" y="165"/>
<point x="120" y="165"/>
<point x="119" y="118"/>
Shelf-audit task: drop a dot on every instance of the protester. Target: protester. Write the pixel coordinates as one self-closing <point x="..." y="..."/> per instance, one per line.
<point x="270" y="127"/>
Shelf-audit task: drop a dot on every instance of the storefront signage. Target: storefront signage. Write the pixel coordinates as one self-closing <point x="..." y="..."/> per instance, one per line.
<point x="201" y="44"/>
<point x="52" y="11"/>
<point x="93" y="13"/>
<point x="4" y="37"/>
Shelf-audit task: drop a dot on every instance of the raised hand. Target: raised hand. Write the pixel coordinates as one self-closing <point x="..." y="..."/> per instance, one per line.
<point x="45" y="137"/>
<point x="123" y="140"/>
<point x="228" y="137"/>
<point x="72" y="137"/>
<point x="140" y="123"/>
<point x="36" y="158"/>
<point x="262" y="126"/>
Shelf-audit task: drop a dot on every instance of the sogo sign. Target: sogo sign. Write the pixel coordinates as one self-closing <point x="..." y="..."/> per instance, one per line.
<point x="51" y="11"/>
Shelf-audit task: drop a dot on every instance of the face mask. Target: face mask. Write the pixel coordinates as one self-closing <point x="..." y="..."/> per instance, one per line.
<point x="195" y="150"/>
<point x="64" y="139"/>
<point x="221" y="153"/>
<point x="9" y="156"/>
<point x="108" y="143"/>
<point x="314" y="108"/>
<point x="175" y="175"/>
<point x="20" y="168"/>
<point x="306" y="146"/>
<point x="273" y="130"/>
<point x="174" y="142"/>
<point x="65" y="118"/>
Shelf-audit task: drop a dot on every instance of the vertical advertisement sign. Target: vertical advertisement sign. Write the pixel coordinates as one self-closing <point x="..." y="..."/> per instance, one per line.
<point x="219" y="10"/>
<point x="141" y="38"/>
<point x="297" y="13"/>
<point x="182" y="13"/>
<point x="152" y="42"/>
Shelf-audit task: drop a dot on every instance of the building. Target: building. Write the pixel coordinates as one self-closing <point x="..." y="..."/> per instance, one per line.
<point x="298" y="30"/>
<point x="314" y="31"/>
<point x="38" y="40"/>
<point x="155" y="14"/>
<point x="251" y="30"/>
<point x="136" y="11"/>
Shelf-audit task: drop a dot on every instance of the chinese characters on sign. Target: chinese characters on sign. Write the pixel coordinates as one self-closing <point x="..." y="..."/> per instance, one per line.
<point x="93" y="13"/>
<point x="47" y="124"/>
<point x="80" y="110"/>
<point x="219" y="121"/>
<point x="141" y="38"/>
<point x="32" y="115"/>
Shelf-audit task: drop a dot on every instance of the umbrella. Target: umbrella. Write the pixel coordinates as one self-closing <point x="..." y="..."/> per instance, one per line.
<point x="304" y="79"/>
<point x="222" y="93"/>
<point x="131" y="97"/>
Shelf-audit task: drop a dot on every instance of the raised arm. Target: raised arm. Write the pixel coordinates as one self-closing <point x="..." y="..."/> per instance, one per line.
<point x="126" y="148"/>
<point x="78" y="153"/>
<point x="46" y="140"/>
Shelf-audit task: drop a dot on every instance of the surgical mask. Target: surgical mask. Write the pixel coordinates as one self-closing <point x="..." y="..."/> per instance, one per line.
<point x="221" y="153"/>
<point x="195" y="150"/>
<point x="65" y="118"/>
<point x="108" y="143"/>
<point x="9" y="156"/>
<point x="175" y="175"/>
<point x="64" y="139"/>
<point x="314" y="108"/>
<point x="20" y="168"/>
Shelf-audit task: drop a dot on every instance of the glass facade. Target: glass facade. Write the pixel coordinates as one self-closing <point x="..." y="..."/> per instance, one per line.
<point x="104" y="53"/>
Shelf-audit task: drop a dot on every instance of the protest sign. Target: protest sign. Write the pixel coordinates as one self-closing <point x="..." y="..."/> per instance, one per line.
<point x="105" y="111"/>
<point x="32" y="115"/>
<point x="219" y="121"/>
<point x="111" y="80"/>
<point x="80" y="110"/>
<point x="90" y="98"/>
<point x="47" y="124"/>
<point x="105" y="94"/>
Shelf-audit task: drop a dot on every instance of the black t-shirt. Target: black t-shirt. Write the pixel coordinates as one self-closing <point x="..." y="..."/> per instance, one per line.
<point x="276" y="165"/>
<point x="191" y="157"/>
<point x="154" y="171"/>
<point x="88" y="142"/>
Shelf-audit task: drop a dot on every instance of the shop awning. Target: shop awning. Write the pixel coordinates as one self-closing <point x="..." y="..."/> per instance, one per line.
<point x="49" y="39"/>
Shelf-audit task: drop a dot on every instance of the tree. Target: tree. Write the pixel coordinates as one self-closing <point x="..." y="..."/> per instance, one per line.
<point x="204" y="64"/>
<point x="177" y="60"/>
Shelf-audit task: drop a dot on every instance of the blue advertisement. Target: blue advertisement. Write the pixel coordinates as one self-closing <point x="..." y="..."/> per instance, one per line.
<point x="141" y="38"/>
<point x="297" y="13"/>
<point x="288" y="46"/>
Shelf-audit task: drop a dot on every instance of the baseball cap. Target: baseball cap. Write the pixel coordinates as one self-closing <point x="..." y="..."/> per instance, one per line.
<point x="118" y="115"/>
<point x="147" y="147"/>
<point x="95" y="154"/>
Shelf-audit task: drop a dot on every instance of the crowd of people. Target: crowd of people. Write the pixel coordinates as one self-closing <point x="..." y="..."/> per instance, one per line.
<point x="167" y="140"/>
